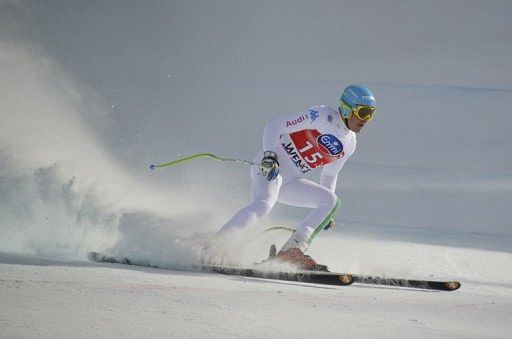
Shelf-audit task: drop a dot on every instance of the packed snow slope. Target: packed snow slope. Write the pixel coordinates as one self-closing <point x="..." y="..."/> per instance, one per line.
<point x="49" y="299"/>
<point x="92" y="93"/>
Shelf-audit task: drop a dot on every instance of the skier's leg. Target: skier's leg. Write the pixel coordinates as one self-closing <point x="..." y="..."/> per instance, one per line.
<point x="263" y="197"/>
<point x="305" y="193"/>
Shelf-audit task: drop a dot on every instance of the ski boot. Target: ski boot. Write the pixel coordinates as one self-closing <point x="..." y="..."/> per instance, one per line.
<point x="295" y="257"/>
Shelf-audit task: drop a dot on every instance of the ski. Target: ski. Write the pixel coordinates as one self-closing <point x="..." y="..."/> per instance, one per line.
<point x="410" y="283"/>
<point x="106" y="258"/>
<point x="311" y="277"/>
<point x="333" y="278"/>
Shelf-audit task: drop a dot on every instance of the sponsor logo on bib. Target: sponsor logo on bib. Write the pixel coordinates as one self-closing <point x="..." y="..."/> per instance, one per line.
<point x="329" y="144"/>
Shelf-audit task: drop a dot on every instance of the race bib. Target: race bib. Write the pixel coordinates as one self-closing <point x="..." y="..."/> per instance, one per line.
<point x="309" y="149"/>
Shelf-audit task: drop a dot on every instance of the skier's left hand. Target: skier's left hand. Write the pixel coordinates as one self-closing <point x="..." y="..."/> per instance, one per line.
<point x="330" y="225"/>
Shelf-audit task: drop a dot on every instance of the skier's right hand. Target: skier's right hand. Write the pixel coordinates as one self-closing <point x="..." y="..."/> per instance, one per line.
<point x="330" y="225"/>
<point x="269" y="165"/>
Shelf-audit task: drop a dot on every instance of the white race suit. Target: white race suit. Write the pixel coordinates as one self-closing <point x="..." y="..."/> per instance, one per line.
<point x="315" y="138"/>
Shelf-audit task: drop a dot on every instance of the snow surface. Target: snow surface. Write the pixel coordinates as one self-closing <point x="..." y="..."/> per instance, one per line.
<point x="46" y="298"/>
<point x="91" y="94"/>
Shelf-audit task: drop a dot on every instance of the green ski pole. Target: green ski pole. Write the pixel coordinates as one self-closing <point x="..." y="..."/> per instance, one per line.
<point x="198" y="156"/>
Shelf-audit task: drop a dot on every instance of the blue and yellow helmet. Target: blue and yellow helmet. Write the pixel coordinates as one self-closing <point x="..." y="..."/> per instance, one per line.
<point x="352" y="96"/>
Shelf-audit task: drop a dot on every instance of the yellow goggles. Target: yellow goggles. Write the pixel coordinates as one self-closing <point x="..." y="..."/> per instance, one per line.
<point x="364" y="112"/>
<point x="361" y="112"/>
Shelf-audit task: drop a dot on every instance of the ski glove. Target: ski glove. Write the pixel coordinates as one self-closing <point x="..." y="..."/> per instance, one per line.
<point x="269" y="165"/>
<point x="330" y="225"/>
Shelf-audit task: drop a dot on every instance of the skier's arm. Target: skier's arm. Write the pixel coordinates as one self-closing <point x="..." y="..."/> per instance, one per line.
<point x="329" y="175"/>
<point x="329" y="181"/>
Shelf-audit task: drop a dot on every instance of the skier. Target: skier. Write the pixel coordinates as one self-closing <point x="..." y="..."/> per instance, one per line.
<point x="293" y="146"/>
